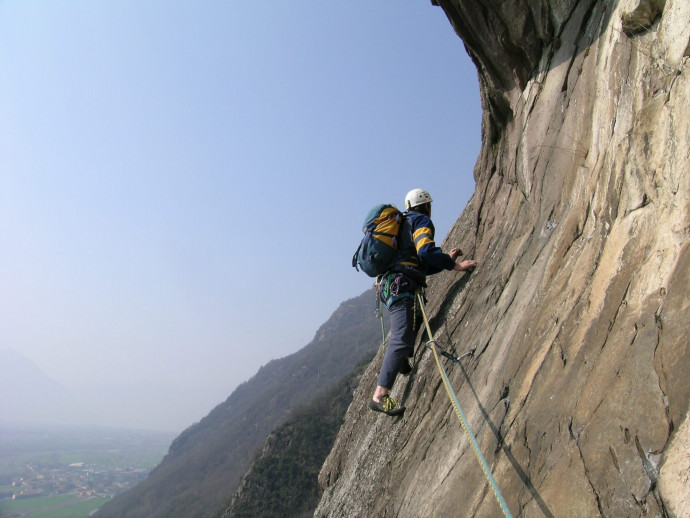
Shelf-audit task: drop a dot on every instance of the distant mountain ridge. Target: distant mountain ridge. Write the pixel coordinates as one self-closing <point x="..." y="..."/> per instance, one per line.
<point x="29" y="397"/>
<point x="205" y="463"/>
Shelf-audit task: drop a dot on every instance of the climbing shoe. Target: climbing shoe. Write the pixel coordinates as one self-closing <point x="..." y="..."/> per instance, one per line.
<point x="387" y="405"/>
<point x="405" y="368"/>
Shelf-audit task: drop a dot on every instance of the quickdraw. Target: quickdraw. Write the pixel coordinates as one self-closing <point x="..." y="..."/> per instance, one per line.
<point x="446" y="354"/>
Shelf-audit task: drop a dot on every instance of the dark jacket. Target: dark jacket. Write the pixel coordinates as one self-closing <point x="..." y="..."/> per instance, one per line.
<point x="418" y="255"/>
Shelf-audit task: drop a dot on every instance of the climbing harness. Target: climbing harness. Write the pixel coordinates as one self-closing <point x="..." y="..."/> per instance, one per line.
<point x="393" y="286"/>
<point x="461" y="415"/>
<point x="388" y="287"/>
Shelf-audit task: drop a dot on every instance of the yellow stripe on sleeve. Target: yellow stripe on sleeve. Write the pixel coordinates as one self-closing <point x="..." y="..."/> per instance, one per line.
<point x="422" y="237"/>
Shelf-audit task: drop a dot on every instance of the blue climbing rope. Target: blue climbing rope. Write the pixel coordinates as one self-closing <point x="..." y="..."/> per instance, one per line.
<point x="463" y="420"/>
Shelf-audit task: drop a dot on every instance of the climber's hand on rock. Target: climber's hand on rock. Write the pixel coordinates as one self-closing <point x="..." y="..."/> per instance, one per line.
<point x="465" y="265"/>
<point x="455" y="253"/>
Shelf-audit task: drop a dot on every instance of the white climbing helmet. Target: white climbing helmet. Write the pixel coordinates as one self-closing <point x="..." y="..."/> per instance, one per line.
<point x="416" y="197"/>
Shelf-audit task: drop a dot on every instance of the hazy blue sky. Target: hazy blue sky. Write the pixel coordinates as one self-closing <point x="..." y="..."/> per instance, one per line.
<point x="183" y="183"/>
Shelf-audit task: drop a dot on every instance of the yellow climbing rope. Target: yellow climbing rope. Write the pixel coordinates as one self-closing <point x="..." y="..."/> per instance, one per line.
<point x="461" y="416"/>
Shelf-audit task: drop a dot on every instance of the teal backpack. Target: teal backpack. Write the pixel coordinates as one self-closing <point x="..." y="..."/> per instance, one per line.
<point x="376" y="253"/>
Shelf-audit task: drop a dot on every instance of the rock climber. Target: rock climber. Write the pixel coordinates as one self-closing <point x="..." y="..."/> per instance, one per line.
<point x="418" y="256"/>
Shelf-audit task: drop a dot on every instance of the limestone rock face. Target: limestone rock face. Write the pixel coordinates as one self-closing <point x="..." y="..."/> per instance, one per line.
<point x="578" y="391"/>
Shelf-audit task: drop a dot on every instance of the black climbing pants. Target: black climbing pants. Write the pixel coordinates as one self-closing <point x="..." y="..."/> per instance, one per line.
<point x="401" y="342"/>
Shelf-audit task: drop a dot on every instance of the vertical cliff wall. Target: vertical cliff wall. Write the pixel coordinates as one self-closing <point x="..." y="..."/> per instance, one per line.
<point x="578" y="391"/>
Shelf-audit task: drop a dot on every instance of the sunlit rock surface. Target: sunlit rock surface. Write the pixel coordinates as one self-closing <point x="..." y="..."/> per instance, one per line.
<point x="579" y="311"/>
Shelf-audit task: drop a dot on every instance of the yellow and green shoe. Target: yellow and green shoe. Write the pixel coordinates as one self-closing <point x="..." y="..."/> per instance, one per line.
<point x="387" y="405"/>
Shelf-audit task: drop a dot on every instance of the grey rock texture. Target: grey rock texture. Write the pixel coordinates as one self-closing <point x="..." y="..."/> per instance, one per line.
<point x="578" y="392"/>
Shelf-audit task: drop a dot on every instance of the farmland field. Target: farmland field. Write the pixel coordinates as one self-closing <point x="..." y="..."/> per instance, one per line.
<point x="63" y="506"/>
<point x="70" y="472"/>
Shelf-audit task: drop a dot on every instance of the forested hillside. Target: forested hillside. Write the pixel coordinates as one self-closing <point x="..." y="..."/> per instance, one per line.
<point x="282" y="481"/>
<point x="205" y="463"/>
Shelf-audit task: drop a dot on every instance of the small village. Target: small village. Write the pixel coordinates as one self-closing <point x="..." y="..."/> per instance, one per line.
<point x="78" y="478"/>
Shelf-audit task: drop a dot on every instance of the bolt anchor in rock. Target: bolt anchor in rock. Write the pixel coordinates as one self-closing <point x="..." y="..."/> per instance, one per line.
<point x="454" y="359"/>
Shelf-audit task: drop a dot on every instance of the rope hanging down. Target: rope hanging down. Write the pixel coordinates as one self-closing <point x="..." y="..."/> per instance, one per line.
<point x="463" y="420"/>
